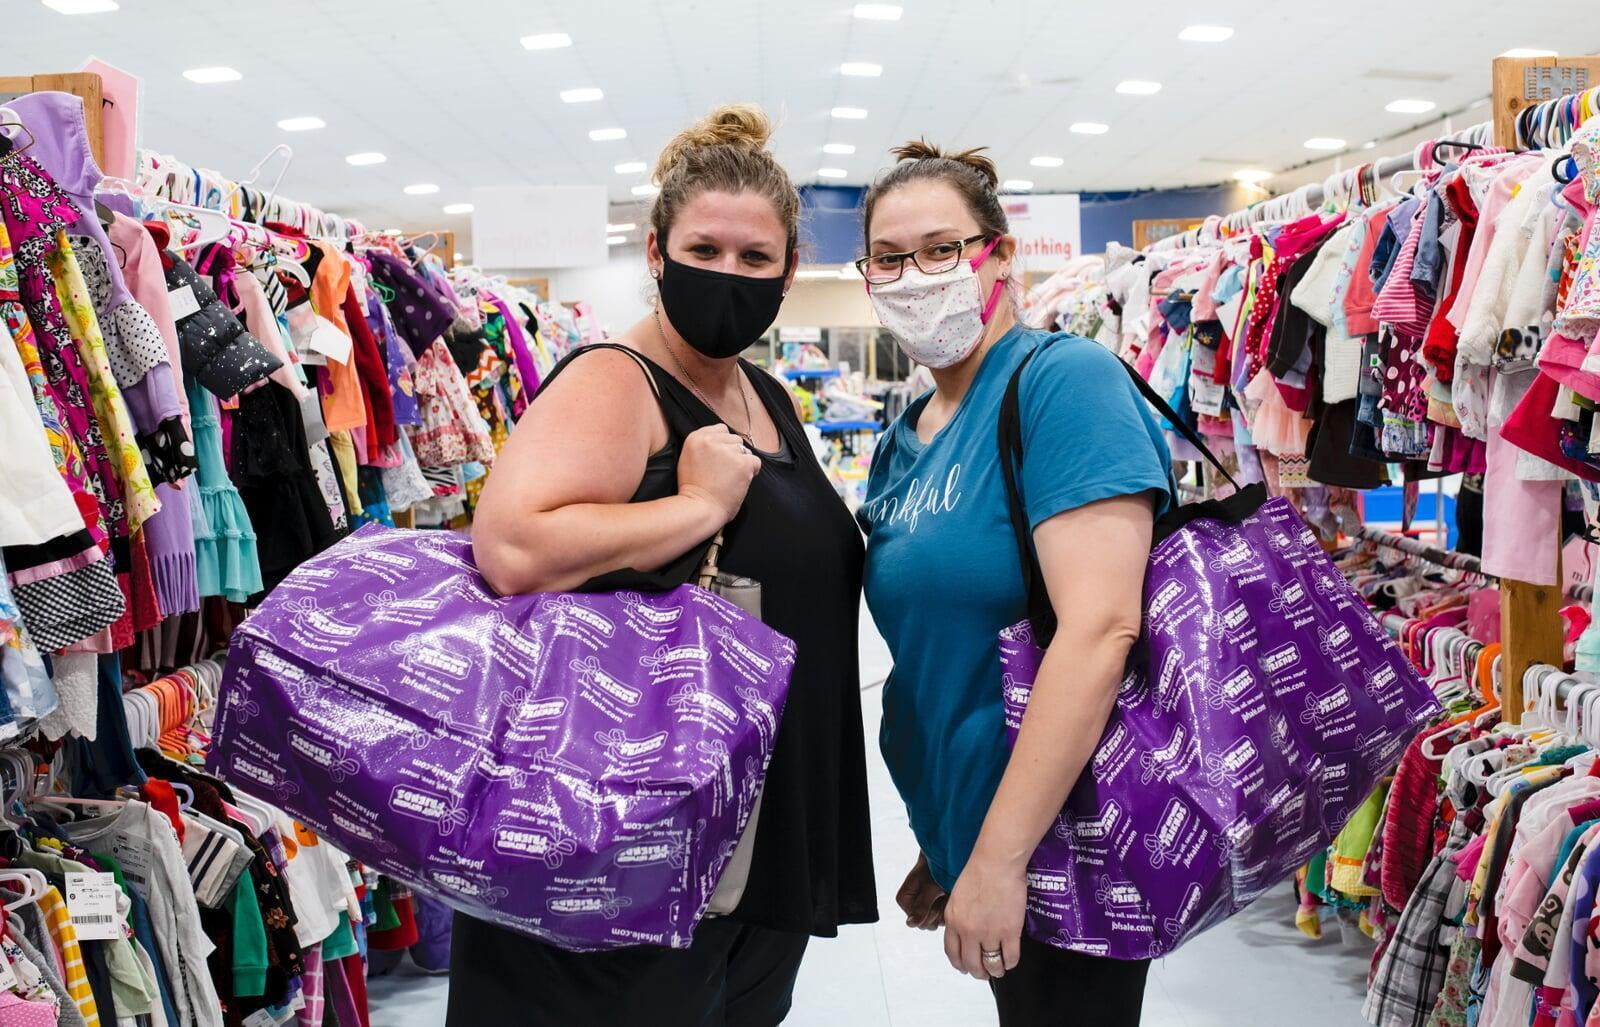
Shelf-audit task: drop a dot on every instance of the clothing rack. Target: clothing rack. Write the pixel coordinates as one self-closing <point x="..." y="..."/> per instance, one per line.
<point x="1447" y="558"/>
<point x="1337" y="187"/>
<point x="165" y="176"/>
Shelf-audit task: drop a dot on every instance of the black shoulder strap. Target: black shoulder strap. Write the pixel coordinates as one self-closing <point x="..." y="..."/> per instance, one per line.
<point x="646" y="366"/>
<point x="1040" y="611"/>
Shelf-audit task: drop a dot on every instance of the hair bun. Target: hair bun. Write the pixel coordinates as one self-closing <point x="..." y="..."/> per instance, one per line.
<point x="921" y="149"/>
<point x="742" y="125"/>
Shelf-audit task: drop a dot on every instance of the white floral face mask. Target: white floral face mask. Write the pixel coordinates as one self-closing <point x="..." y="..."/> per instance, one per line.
<point x="937" y="318"/>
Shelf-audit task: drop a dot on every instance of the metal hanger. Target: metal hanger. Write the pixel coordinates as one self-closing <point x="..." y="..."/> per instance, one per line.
<point x="8" y="146"/>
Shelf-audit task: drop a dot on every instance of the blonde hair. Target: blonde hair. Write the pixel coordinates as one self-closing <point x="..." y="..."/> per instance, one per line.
<point x="725" y="151"/>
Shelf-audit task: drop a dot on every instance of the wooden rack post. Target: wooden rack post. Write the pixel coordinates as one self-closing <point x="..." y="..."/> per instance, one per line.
<point x="1530" y="615"/>
<point x="1522" y="81"/>
<point x="84" y="84"/>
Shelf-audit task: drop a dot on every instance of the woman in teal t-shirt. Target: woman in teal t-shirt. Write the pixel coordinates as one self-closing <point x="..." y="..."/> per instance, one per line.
<point x="943" y="577"/>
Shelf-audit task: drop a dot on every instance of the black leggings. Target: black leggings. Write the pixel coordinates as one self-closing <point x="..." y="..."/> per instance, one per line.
<point x="1052" y="987"/>
<point x="734" y="975"/>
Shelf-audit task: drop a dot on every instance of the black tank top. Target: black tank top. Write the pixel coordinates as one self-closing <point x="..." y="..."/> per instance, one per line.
<point x="812" y="866"/>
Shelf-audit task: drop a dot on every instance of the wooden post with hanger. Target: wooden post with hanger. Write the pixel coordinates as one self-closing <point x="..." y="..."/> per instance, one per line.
<point x="1531" y="628"/>
<point x="84" y="84"/>
<point x="1522" y="81"/>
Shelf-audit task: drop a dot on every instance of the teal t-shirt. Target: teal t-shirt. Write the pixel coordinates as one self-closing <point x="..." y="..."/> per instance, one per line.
<point x="942" y="574"/>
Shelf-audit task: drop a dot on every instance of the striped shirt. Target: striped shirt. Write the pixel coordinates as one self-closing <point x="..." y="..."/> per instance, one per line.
<point x="65" y="937"/>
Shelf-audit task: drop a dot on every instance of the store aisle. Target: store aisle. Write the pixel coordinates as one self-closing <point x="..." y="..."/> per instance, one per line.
<point x="885" y="975"/>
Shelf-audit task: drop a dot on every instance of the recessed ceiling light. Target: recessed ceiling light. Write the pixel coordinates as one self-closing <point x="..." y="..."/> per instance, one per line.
<point x="1016" y="185"/>
<point x="616" y="240"/>
<point x="879" y="12"/>
<point x="1324" y="143"/>
<point x="363" y="159"/>
<point x="588" y="94"/>
<point x="1523" y="51"/>
<point x="1410" y="106"/>
<point x="210" y="76"/>
<point x="632" y="167"/>
<point x="627" y="226"/>
<point x="1206" y="34"/>
<point x="607" y="135"/>
<point x="1139" y="87"/>
<point x="1370" y="144"/>
<point x="646" y="190"/>
<point x="1047" y="162"/>
<point x="1251" y="176"/>
<point x="546" y="41"/>
<point x="305" y="124"/>
<point x="831" y="172"/>
<point x="421" y="189"/>
<point x="457" y="208"/>
<point x="81" y="6"/>
<point x="843" y="149"/>
<point x="861" y="69"/>
<point x="1089" y="128"/>
<point x="849" y="113"/>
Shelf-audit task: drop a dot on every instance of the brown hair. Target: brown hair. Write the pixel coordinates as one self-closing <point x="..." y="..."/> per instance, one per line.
<point x="969" y="173"/>
<point x="725" y="151"/>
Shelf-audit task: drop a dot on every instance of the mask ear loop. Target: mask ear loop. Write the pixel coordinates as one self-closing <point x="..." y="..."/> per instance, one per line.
<point x="999" y="283"/>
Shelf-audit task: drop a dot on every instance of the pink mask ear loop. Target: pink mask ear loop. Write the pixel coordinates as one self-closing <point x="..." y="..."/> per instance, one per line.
<point x="999" y="283"/>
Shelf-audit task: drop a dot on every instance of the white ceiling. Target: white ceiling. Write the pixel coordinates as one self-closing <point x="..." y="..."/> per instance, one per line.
<point x="448" y="93"/>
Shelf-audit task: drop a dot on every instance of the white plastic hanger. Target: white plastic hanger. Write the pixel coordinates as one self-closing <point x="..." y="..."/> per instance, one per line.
<point x="37" y="886"/>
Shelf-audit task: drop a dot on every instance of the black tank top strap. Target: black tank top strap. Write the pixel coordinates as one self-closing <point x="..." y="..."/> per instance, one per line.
<point x="779" y="404"/>
<point x="682" y="411"/>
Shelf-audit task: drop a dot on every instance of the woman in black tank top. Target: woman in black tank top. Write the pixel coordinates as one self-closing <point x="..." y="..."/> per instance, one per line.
<point x="632" y="456"/>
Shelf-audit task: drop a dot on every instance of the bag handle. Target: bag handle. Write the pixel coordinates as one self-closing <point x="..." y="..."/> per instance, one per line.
<point x="1040" y="611"/>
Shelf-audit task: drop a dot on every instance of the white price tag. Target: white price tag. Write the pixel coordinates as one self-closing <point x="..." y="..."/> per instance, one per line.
<point x="8" y="977"/>
<point x="260" y="1018"/>
<point x="1206" y="397"/>
<point x="92" y="905"/>
<point x="184" y="302"/>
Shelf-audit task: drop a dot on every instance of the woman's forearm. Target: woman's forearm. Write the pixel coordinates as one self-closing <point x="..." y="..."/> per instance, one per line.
<point x="557" y="550"/>
<point x="1067" y="713"/>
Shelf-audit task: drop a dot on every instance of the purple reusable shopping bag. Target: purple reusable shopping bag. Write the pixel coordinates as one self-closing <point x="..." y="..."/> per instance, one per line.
<point x="1262" y="707"/>
<point x="577" y="767"/>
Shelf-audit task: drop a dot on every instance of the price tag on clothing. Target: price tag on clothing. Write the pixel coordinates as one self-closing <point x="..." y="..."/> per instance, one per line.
<point x="260" y="1018"/>
<point x="184" y="302"/>
<point x="1206" y="397"/>
<point x="8" y="976"/>
<point x="92" y="905"/>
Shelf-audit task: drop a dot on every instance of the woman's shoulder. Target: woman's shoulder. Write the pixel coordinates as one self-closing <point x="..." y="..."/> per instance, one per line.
<point x="614" y="365"/>
<point x="1067" y="359"/>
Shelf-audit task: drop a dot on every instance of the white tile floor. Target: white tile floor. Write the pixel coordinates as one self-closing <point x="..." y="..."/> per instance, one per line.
<point x="1254" y="971"/>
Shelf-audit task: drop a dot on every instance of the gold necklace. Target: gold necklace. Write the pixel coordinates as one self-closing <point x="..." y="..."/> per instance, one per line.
<point x="749" y="421"/>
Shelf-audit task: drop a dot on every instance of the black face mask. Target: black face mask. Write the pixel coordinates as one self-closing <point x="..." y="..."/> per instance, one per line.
<point x="719" y="314"/>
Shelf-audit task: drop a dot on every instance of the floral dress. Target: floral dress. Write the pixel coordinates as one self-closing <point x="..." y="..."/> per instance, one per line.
<point x="452" y="432"/>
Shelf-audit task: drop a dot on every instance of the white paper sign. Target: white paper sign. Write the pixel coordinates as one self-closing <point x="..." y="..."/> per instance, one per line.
<point x="1048" y="229"/>
<point x="92" y="905"/>
<point x="539" y="226"/>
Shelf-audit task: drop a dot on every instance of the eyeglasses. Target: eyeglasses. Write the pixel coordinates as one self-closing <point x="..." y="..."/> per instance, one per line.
<point x="933" y="259"/>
